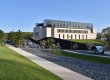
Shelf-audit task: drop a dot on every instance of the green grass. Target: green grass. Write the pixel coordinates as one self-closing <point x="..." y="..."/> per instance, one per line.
<point x="16" y="67"/>
<point x="89" y="41"/>
<point x="83" y="57"/>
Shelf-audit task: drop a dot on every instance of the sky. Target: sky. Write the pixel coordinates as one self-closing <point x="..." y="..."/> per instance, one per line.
<point x="23" y="14"/>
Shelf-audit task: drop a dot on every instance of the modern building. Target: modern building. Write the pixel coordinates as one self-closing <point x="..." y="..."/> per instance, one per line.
<point x="105" y="34"/>
<point x="106" y="30"/>
<point x="64" y="30"/>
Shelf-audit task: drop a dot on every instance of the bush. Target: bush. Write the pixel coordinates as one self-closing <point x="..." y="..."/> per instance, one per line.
<point x="49" y="44"/>
<point x="2" y="38"/>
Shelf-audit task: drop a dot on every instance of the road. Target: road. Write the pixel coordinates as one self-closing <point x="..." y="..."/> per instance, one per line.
<point x="87" y="52"/>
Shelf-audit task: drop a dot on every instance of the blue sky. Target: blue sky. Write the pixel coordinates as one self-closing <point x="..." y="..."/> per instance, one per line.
<point x="23" y="14"/>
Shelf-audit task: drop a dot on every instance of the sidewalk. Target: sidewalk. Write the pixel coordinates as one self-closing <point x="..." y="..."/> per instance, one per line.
<point x="60" y="71"/>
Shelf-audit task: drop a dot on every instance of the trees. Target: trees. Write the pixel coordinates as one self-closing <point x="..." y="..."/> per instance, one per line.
<point x="2" y="38"/>
<point x="99" y="35"/>
<point x="49" y="44"/>
<point x="18" y="37"/>
<point x="11" y="36"/>
<point x="106" y="33"/>
<point x="27" y="34"/>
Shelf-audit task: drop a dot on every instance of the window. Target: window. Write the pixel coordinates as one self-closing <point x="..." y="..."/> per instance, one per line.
<point x="60" y="25"/>
<point x="54" y="25"/>
<point x="64" y="25"/>
<point x="75" y="36"/>
<point x="78" y="27"/>
<point x="78" y="31"/>
<point x="86" y="36"/>
<point x="81" y="31"/>
<point x="91" y="30"/>
<point x="59" y="36"/>
<point x="37" y="34"/>
<point x="67" y="36"/>
<point x="63" y="36"/>
<point x="70" y="24"/>
<point x="69" y="31"/>
<point x="71" y="36"/>
<point x="62" y="30"/>
<point x="79" y="36"/>
<point x="58" y="30"/>
<point x="66" y="31"/>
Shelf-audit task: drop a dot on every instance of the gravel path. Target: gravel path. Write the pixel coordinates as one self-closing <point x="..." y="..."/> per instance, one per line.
<point x="96" y="71"/>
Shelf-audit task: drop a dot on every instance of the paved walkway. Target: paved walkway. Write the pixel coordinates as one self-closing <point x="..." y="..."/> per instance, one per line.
<point x="60" y="71"/>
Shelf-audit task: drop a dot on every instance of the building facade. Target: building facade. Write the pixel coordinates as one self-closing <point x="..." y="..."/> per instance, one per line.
<point x="64" y="30"/>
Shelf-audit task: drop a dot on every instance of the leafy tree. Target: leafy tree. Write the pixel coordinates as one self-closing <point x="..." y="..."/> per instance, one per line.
<point x="49" y="44"/>
<point x="18" y="37"/>
<point x="27" y="34"/>
<point x="99" y="35"/>
<point x="2" y="38"/>
<point x="11" y="36"/>
<point x="43" y="44"/>
<point x="106" y="33"/>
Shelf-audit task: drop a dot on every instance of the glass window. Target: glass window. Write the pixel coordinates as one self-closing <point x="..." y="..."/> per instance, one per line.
<point x="71" y="36"/>
<point x="63" y="36"/>
<point x="64" y="25"/>
<point x="58" y="30"/>
<point x="67" y="36"/>
<point x="62" y="30"/>
<point x="75" y="36"/>
<point x="59" y="36"/>
<point x="69" y="31"/>
<point x="66" y="31"/>
<point x="79" y="36"/>
<point x="86" y="36"/>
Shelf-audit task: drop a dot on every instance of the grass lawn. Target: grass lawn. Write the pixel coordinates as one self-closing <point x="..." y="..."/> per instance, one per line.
<point x="84" y="57"/>
<point x="89" y="41"/>
<point x="16" y="67"/>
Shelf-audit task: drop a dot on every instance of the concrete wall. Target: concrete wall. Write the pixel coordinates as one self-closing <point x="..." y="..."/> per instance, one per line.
<point x="47" y="32"/>
<point x="39" y="32"/>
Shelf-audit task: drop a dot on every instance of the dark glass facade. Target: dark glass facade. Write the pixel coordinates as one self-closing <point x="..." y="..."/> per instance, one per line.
<point x="67" y="24"/>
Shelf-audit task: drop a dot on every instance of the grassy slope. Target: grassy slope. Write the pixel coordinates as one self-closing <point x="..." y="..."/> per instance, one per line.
<point x="16" y="67"/>
<point x="89" y="41"/>
<point x="84" y="57"/>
